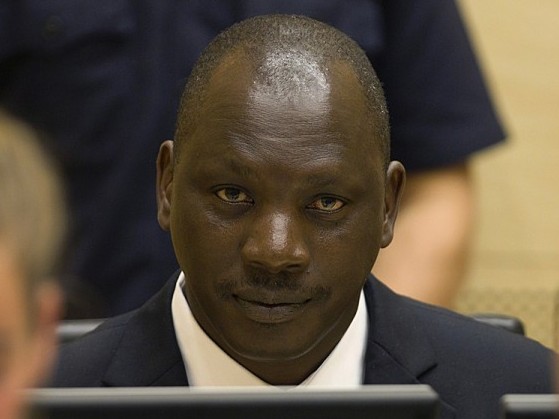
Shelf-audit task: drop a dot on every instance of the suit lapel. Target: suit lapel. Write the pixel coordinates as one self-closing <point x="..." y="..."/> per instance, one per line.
<point x="149" y="341"/>
<point x="398" y="349"/>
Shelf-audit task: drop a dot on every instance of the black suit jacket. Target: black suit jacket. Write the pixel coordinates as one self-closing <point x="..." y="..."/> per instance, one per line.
<point x="469" y="364"/>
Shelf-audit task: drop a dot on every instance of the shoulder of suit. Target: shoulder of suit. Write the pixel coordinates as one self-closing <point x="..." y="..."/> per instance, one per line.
<point x="82" y="362"/>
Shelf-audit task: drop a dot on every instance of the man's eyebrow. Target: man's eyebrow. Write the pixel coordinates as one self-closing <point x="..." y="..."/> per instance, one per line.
<point x="313" y="180"/>
<point x="320" y="180"/>
<point x="240" y="170"/>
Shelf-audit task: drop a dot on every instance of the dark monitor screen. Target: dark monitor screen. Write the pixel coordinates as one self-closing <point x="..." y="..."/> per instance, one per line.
<point x="530" y="406"/>
<point x="378" y="401"/>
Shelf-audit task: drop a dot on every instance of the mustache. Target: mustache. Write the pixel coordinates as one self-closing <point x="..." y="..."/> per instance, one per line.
<point x="273" y="282"/>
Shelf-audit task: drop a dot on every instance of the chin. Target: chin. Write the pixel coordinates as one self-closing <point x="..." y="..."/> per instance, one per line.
<point x="270" y="356"/>
<point x="268" y="352"/>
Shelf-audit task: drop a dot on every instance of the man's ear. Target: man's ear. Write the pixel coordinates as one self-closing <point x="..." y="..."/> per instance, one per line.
<point x="165" y="166"/>
<point x="395" y="182"/>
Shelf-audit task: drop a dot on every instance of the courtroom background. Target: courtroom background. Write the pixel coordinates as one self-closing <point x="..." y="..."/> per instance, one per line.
<point x="515" y="260"/>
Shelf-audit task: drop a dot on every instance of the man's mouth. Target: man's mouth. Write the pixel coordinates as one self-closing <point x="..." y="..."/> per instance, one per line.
<point x="270" y="312"/>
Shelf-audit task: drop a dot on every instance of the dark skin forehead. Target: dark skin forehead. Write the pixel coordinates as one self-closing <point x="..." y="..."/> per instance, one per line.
<point x="334" y="90"/>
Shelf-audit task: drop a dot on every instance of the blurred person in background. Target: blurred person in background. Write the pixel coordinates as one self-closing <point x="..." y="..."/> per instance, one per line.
<point x="103" y="80"/>
<point x="32" y="221"/>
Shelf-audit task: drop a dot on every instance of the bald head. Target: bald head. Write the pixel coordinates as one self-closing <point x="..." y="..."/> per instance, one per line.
<point x="287" y="58"/>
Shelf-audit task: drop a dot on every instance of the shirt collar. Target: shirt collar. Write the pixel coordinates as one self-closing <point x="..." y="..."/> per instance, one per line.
<point x="208" y="365"/>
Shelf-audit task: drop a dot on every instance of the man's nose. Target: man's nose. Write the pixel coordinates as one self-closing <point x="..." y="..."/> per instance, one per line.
<point x="276" y="243"/>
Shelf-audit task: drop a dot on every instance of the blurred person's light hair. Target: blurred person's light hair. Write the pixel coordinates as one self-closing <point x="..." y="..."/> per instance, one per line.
<point x="32" y="213"/>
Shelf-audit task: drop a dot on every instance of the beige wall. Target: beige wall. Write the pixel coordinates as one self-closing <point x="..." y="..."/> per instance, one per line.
<point x="515" y="262"/>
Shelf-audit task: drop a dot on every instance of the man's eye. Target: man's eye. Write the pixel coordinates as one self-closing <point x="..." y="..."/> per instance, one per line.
<point x="233" y="195"/>
<point x="327" y="204"/>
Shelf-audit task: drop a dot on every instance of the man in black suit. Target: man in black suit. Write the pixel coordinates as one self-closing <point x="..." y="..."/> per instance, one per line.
<point x="278" y="193"/>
